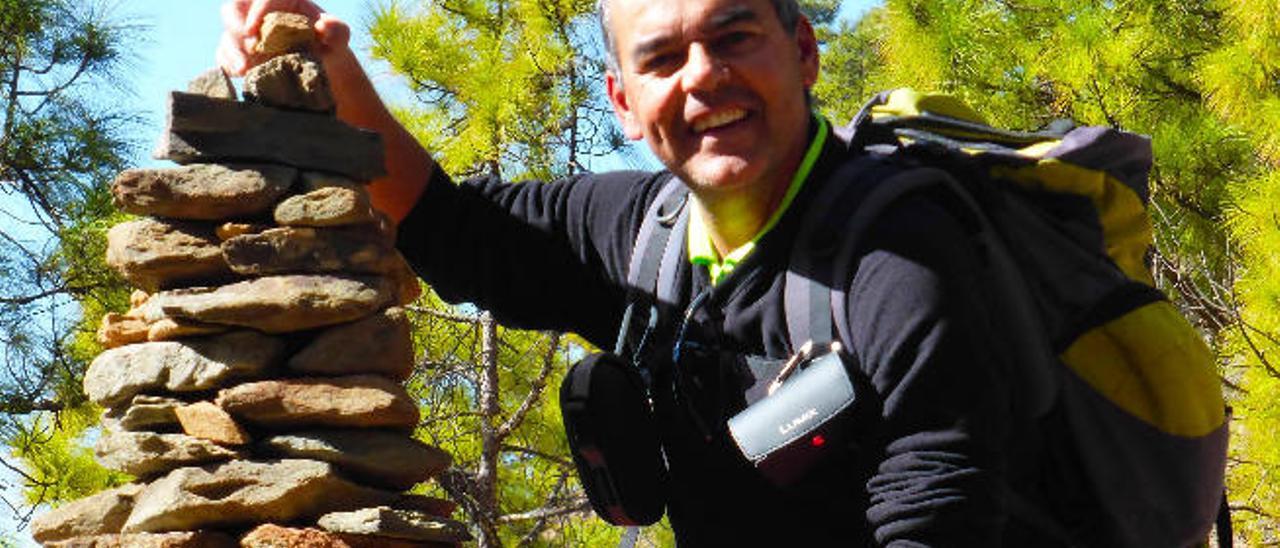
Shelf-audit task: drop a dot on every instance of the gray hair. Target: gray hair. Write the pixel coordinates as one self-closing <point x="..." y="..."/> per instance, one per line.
<point x="788" y="14"/>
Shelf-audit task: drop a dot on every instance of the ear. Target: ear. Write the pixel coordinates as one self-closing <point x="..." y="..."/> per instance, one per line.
<point x="622" y="107"/>
<point x="807" y="42"/>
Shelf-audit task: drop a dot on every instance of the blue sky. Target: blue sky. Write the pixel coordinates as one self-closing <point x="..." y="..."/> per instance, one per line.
<point x="178" y="44"/>
<point x="183" y="35"/>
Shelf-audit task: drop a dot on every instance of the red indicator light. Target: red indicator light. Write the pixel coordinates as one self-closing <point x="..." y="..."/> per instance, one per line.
<point x="818" y="441"/>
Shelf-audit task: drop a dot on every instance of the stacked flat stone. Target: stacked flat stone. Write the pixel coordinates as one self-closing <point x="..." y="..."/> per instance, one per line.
<point x="254" y="387"/>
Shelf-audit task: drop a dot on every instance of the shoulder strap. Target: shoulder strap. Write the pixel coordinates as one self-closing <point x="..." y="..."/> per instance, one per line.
<point x="652" y="263"/>
<point x="814" y="303"/>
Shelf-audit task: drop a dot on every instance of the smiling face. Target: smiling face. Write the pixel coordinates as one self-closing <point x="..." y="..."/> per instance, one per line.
<point x="716" y="87"/>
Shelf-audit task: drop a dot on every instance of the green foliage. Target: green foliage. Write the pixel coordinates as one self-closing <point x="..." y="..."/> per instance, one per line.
<point x="505" y="85"/>
<point x="54" y="450"/>
<point x="506" y="88"/>
<point x="62" y="139"/>
<point x="1202" y="78"/>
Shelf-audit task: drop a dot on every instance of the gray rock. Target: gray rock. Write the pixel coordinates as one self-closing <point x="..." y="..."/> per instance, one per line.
<point x="283" y="32"/>
<point x="361" y="401"/>
<point x="184" y="539"/>
<point x="276" y="304"/>
<point x="245" y="493"/>
<point x="294" y="81"/>
<point x="191" y="365"/>
<point x="329" y="206"/>
<point x="381" y="344"/>
<point x="388" y="522"/>
<point x="385" y="459"/>
<point x="201" y="129"/>
<point x="153" y="254"/>
<point x="146" y="454"/>
<point x="204" y="192"/>
<point x="213" y="83"/>
<point x="97" y="514"/>
<point x="291" y="250"/>
<point x="143" y="412"/>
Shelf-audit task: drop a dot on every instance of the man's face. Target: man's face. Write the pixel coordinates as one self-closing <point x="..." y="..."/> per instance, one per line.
<point x="716" y="87"/>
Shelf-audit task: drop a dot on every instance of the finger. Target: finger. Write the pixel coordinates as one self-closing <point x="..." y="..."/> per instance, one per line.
<point x="233" y="13"/>
<point x="260" y="8"/>
<point x="332" y="32"/>
<point x="230" y="57"/>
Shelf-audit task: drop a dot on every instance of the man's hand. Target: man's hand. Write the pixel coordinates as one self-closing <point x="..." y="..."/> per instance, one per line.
<point x="408" y="165"/>
<point x="242" y="21"/>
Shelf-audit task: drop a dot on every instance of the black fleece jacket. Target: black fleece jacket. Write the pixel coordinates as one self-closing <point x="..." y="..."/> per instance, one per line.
<point x="927" y="467"/>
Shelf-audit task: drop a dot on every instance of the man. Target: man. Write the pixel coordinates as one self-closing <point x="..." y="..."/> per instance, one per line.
<point x="719" y="91"/>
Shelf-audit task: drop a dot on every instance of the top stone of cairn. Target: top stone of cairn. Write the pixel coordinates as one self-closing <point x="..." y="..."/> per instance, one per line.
<point x="284" y="32"/>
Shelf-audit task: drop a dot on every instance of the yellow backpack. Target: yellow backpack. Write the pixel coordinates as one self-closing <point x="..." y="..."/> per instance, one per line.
<point x="1096" y="345"/>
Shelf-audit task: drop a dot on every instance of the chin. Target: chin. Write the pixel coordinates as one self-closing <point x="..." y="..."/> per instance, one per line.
<point x="724" y="173"/>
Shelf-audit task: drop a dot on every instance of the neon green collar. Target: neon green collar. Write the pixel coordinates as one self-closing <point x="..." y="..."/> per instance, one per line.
<point x="701" y="249"/>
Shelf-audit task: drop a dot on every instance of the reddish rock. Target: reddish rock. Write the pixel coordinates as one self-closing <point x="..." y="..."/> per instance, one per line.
<point x="207" y="421"/>
<point x="168" y="329"/>
<point x="275" y="536"/>
<point x="284" y="32"/>
<point x="118" y="330"/>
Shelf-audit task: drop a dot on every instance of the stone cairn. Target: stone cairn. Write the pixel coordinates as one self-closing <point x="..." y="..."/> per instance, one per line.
<point x="253" y="389"/>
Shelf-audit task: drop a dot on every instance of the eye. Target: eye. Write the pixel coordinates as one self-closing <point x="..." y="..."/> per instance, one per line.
<point x="734" y="42"/>
<point x="660" y="62"/>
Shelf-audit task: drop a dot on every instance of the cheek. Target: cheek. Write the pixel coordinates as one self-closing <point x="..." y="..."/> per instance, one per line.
<point x="658" y="106"/>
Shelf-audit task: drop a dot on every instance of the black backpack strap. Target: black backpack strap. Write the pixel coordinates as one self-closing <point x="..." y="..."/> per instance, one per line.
<point x="807" y="296"/>
<point x="652" y="265"/>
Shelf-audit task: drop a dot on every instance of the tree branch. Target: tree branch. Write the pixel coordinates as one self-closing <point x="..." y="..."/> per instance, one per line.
<point x="449" y="316"/>
<point x="574" y="506"/>
<point x="535" y="390"/>
<point x="510" y="448"/>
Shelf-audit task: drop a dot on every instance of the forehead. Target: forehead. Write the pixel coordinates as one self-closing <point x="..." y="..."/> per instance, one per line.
<point x="632" y="20"/>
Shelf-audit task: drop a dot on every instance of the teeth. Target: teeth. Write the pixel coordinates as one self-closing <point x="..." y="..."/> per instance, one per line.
<point x="719" y="119"/>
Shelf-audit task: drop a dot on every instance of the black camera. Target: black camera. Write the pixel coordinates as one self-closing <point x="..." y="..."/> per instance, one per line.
<point x="609" y="421"/>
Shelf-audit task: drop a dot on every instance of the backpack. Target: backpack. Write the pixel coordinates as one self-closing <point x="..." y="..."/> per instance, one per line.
<point x="1062" y="216"/>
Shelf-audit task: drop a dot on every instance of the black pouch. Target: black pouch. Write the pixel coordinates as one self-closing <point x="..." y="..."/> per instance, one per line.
<point x="804" y="418"/>
<point x="613" y="437"/>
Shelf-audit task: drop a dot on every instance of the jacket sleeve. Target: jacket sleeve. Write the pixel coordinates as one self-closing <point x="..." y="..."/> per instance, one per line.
<point x="917" y="324"/>
<point x="537" y="255"/>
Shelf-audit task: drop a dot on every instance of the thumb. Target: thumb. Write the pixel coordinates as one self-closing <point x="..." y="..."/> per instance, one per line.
<point x="332" y="33"/>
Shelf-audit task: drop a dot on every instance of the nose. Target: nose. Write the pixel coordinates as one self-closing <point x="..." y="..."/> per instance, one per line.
<point x="702" y="70"/>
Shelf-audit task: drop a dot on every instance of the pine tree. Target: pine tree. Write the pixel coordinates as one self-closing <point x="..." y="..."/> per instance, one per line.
<point x="61" y="142"/>
<point x="506" y="88"/>
<point x="1241" y="80"/>
<point x="1201" y="78"/>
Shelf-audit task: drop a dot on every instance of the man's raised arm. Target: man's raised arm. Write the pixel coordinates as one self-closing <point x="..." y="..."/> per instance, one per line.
<point x="408" y="164"/>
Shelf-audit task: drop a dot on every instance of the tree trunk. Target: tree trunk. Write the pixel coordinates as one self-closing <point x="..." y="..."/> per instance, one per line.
<point x="486" y="494"/>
